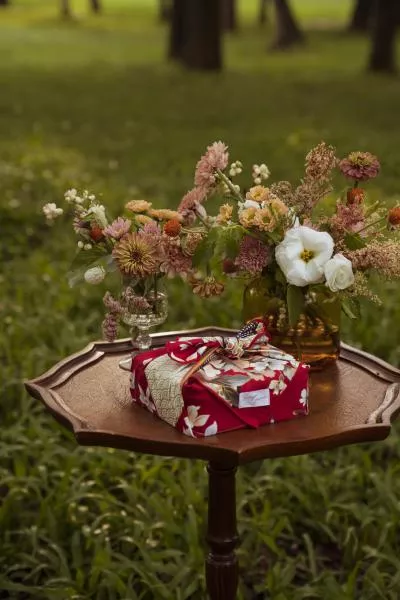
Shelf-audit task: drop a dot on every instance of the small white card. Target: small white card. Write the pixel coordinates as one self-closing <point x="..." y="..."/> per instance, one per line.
<point x="254" y="399"/>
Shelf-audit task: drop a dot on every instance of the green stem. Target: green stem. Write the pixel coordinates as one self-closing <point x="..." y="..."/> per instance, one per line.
<point x="230" y="185"/>
<point x="371" y="224"/>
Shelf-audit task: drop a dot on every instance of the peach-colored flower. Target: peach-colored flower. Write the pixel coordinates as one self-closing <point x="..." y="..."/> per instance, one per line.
<point x="118" y="228"/>
<point x="138" y="206"/>
<point x="189" y="245"/>
<point x="135" y="256"/>
<point x="265" y="220"/>
<point x="258" y="193"/>
<point x="247" y="216"/>
<point x="165" y="214"/>
<point x="143" y="219"/>
<point x="225" y="213"/>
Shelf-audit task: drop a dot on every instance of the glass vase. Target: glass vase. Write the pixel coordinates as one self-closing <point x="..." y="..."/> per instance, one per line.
<point x="315" y="339"/>
<point x="143" y="310"/>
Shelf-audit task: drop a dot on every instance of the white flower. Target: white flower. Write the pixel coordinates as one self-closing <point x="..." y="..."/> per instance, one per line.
<point x="193" y="419"/>
<point x="339" y="273"/>
<point x="51" y="211"/>
<point x="71" y="196"/>
<point x="302" y="255"/>
<point x="277" y="386"/>
<point x="248" y="204"/>
<point x="304" y="397"/>
<point x="99" y="213"/>
<point x="94" y="275"/>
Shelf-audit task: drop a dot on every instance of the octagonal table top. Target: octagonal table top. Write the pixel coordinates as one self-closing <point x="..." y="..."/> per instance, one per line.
<point x="354" y="400"/>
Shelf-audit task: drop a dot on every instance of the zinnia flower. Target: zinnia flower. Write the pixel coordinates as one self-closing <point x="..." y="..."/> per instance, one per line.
<point x="118" y="228"/>
<point x="165" y="214"/>
<point x="303" y="254"/>
<point x="360" y="166"/>
<point x="215" y="158"/>
<point x="225" y="213"/>
<point x="143" y="219"/>
<point x="138" y="206"/>
<point x="136" y="256"/>
<point x="253" y="255"/>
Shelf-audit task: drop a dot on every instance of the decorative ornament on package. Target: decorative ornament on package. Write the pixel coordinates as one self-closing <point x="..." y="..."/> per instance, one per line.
<point x="204" y="386"/>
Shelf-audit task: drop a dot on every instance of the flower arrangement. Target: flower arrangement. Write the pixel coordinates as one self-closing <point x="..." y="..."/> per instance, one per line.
<point x="311" y="252"/>
<point x="141" y="247"/>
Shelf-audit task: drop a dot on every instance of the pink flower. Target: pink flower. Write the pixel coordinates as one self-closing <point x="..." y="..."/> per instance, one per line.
<point x="253" y="255"/>
<point x="348" y="218"/>
<point x="360" y="166"/>
<point x="110" y="327"/>
<point x="174" y="261"/>
<point x="189" y="202"/>
<point x="216" y="157"/>
<point x="118" y="228"/>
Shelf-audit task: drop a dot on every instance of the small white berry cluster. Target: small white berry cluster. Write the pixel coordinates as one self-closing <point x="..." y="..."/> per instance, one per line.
<point x="52" y="211"/>
<point x="235" y="169"/>
<point x="227" y="191"/>
<point x="260" y="173"/>
<point x="72" y="196"/>
<point x="83" y="246"/>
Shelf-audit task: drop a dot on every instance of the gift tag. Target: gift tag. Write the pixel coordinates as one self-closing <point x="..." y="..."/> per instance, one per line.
<point x="254" y="398"/>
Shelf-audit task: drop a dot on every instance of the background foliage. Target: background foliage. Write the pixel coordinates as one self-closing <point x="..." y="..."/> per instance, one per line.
<point x="93" y="103"/>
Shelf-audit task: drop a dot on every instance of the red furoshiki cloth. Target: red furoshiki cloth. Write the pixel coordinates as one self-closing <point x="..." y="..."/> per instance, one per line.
<point x="204" y="386"/>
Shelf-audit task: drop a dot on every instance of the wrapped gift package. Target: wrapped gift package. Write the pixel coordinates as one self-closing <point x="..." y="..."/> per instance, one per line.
<point x="204" y="386"/>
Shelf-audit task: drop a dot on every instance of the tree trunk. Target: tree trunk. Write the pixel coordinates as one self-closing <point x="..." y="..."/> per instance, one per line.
<point x="95" y="6"/>
<point x="228" y="15"/>
<point x="196" y="34"/>
<point x="165" y="10"/>
<point x="382" y="57"/>
<point x="362" y="16"/>
<point x="262" y="12"/>
<point x="4" y="3"/>
<point x="288" y="32"/>
<point x="177" y="32"/>
<point x="65" y="9"/>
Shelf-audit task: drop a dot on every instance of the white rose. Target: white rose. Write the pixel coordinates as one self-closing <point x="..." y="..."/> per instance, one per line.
<point x="94" y="275"/>
<point x="339" y="273"/>
<point x="302" y="255"/>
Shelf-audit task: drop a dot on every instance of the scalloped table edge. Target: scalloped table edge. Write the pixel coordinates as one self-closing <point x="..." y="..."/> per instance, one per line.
<point x="378" y="425"/>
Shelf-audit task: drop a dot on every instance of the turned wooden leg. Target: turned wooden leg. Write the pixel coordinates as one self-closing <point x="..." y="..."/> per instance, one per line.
<point x="221" y="563"/>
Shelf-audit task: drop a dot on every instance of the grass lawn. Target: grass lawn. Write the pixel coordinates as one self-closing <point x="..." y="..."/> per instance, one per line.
<point x="93" y="103"/>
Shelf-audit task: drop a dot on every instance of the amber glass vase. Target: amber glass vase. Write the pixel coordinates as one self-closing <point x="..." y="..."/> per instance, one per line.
<point x="315" y="339"/>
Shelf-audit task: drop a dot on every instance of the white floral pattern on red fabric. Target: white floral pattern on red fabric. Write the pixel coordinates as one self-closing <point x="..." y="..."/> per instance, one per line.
<point x="193" y="420"/>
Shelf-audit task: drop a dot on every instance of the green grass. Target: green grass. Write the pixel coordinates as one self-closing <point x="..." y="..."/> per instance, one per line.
<point x="93" y="103"/>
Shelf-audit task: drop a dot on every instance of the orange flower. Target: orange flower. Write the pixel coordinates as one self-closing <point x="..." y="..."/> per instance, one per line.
<point x="355" y="195"/>
<point x="394" y="216"/>
<point x="96" y="233"/>
<point x="138" y="206"/>
<point x="172" y="228"/>
<point x="165" y="214"/>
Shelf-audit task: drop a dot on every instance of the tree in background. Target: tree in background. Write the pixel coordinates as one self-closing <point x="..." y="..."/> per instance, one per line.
<point x="66" y="12"/>
<point x="195" y="35"/>
<point x="288" y="32"/>
<point x="228" y="15"/>
<point x="361" y="17"/>
<point x="4" y="3"/>
<point x="165" y="10"/>
<point x="385" y="22"/>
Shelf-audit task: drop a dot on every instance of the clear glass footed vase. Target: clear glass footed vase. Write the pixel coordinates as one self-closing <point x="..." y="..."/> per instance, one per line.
<point x="143" y="310"/>
<point x="315" y="339"/>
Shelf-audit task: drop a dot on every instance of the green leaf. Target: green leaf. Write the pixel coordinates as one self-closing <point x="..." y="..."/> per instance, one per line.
<point x="295" y="303"/>
<point x="353" y="241"/>
<point x="204" y="253"/>
<point x="351" y="308"/>
<point x="88" y="257"/>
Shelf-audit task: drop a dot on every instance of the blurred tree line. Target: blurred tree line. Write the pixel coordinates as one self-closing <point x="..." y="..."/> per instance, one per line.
<point x="196" y="28"/>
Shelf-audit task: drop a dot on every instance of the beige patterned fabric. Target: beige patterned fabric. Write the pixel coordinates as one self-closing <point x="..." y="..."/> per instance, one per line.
<point x="164" y="378"/>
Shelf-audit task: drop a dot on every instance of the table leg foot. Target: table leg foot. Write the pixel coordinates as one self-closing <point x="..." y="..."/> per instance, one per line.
<point x="221" y="563"/>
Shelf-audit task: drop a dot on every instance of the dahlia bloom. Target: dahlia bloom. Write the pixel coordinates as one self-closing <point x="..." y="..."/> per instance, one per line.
<point x="360" y="166"/>
<point x="253" y="255"/>
<point x="303" y="254"/>
<point x="118" y="228"/>
<point x="136" y="256"/>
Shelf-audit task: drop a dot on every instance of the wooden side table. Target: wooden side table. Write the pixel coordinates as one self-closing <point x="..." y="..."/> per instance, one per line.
<point x="352" y="401"/>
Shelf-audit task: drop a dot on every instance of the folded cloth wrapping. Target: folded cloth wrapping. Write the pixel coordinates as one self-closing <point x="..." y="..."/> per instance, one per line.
<point x="204" y="386"/>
